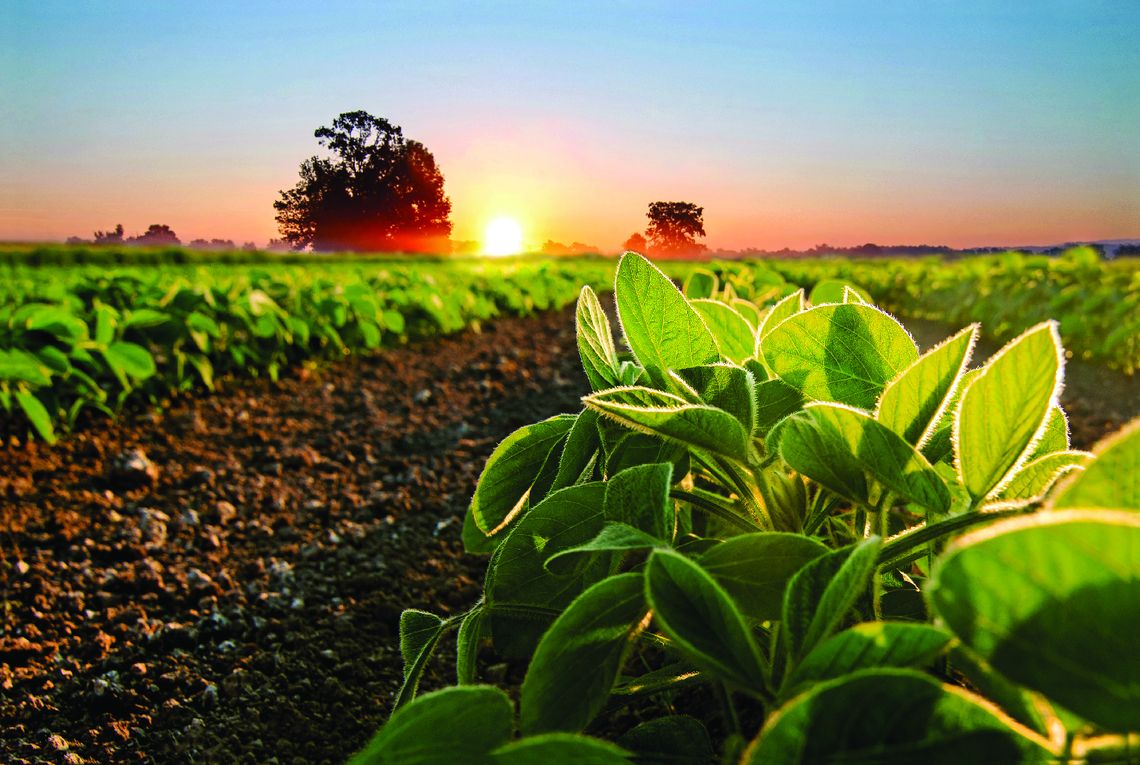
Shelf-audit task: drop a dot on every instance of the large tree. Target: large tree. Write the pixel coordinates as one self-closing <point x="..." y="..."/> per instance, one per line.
<point x="673" y="228"/>
<point x="377" y="191"/>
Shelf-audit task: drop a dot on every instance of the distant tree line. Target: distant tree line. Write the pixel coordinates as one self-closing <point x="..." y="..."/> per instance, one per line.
<point x="161" y="235"/>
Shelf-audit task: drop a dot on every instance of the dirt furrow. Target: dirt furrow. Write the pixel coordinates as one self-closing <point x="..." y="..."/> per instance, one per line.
<point x="235" y="597"/>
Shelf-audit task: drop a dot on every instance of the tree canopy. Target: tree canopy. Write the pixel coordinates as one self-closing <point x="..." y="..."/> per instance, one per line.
<point x="377" y="191"/>
<point x="673" y="228"/>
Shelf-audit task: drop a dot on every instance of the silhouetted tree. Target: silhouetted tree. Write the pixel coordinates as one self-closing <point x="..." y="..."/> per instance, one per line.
<point x="378" y="191"/>
<point x="156" y="234"/>
<point x="636" y="242"/>
<point x="110" y="237"/>
<point x="673" y="227"/>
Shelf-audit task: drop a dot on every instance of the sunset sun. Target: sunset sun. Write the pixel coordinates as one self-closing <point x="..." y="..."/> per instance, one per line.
<point x="503" y="236"/>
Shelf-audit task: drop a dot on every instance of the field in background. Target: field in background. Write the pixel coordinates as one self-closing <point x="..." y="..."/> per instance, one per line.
<point x="87" y="330"/>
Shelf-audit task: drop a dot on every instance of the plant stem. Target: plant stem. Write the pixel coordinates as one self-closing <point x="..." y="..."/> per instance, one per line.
<point x="730" y="716"/>
<point x="702" y="501"/>
<point x="898" y="548"/>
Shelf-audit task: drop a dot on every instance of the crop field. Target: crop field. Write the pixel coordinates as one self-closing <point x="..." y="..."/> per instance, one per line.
<point x="568" y="510"/>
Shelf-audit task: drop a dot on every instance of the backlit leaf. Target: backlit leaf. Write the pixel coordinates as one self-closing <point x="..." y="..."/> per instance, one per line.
<point x="846" y="353"/>
<point x="580" y="656"/>
<point x="702" y="620"/>
<point x="662" y="329"/>
<point x="1003" y="410"/>
<point x="1052" y="602"/>
<point x="1113" y="477"/>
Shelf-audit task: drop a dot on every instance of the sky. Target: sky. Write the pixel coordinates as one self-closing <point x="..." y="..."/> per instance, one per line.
<point x="965" y="123"/>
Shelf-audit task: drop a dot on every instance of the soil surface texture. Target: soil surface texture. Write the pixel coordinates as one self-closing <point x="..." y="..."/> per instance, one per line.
<point x="221" y="582"/>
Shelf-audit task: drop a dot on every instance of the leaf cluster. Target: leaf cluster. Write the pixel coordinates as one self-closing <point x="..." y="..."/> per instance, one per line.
<point x="858" y="551"/>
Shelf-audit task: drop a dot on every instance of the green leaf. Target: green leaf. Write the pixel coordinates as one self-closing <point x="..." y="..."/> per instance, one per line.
<point x="106" y="319"/>
<point x="639" y="496"/>
<point x="891" y="717"/>
<point x="57" y="322"/>
<point x="821" y="456"/>
<point x="517" y="573"/>
<point x="36" y="413"/>
<point x="463" y="724"/>
<point x="560" y="749"/>
<point x="866" y="646"/>
<point x="732" y="332"/>
<point x="369" y="333"/>
<point x="846" y="353"/>
<point x="144" y="318"/>
<point x="835" y="291"/>
<point x="788" y="306"/>
<point x="580" y="452"/>
<point x="822" y="592"/>
<point x="596" y="342"/>
<point x="1034" y="479"/>
<point x="703" y="621"/>
<point x="419" y="633"/>
<point x="1113" y="478"/>
<point x="614" y="537"/>
<point x="130" y="359"/>
<point x="634" y="449"/>
<point x="912" y="404"/>
<point x="672" y="740"/>
<point x="1051" y="601"/>
<point x="775" y="400"/>
<point x="881" y="452"/>
<point x="672" y="417"/>
<point x="581" y="655"/>
<point x="1055" y="437"/>
<point x="726" y="387"/>
<point x="1003" y="411"/>
<point x="21" y="366"/>
<point x="467" y="645"/>
<point x="662" y="329"/>
<point x="506" y="480"/>
<point x="755" y="568"/>
<point x="701" y="283"/>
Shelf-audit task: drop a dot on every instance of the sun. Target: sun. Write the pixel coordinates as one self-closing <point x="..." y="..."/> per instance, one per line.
<point x="502" y="236"/>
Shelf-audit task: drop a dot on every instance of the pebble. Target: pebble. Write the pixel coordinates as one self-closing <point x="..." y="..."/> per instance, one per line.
<point x="132" y="469"/>
<point x="226" y="511"/>
<point x="422" y="396"/>
<point x="198" y="579"/>
<point x="210" y="695"/>
<point x="22" y="567"/>
<point x="199" y="477"/>
<point x="152" y="524"/>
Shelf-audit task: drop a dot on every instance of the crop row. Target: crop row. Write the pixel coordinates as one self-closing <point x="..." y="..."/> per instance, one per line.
<point x="83" y="340"/>
<point x="777" y="532"/>
<point x="1096" y="303"/>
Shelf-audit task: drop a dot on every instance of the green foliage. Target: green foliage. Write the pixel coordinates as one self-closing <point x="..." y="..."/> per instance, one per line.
<point x="780" y="529"/>
<point x="86" y="340"/>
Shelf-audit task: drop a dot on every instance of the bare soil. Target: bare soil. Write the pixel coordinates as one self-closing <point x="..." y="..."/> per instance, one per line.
<point x="221" y="582"/>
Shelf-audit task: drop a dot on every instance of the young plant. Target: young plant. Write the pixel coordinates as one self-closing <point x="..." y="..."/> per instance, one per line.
<point x="766" y="509"/>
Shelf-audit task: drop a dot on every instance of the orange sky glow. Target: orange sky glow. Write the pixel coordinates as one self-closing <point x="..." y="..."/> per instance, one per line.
<point x="966" y="124"/>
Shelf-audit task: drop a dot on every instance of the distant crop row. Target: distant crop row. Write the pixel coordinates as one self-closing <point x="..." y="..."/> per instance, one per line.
<point x="84" y="340"/>
<point x="1096" y="303"/>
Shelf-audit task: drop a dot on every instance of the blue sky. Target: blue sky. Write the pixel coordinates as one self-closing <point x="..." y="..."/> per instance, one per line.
<point x="792" y="123"/>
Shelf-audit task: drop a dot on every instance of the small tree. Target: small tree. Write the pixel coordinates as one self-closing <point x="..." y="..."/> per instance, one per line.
<point x="156" y="234"/>
<point x="673" y="227"/>
<point x="636" y="243"/>
<point x="110" y="237"/>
